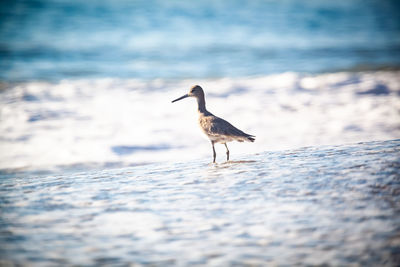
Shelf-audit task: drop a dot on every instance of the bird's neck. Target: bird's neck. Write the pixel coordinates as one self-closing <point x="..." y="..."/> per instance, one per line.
<point x="201" y="105"/>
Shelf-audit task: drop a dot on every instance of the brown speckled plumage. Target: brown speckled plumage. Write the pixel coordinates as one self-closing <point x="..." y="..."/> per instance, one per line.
<point x="218" y="130"/>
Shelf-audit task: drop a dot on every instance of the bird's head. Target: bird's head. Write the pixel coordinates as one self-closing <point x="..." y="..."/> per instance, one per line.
<point x="195" y="91"/>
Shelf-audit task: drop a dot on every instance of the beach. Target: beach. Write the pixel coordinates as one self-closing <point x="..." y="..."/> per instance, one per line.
<point x="99" y="168"/>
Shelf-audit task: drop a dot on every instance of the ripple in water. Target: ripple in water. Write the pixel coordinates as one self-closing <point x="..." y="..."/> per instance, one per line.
<point x="335" y="205"/>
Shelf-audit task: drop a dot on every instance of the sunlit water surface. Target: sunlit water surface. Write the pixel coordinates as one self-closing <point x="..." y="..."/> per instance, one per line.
<point x="335" y="205"/>
<point x="103" y="123"/>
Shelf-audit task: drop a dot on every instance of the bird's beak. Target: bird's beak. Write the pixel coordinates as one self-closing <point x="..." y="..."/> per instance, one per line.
<point x="182" y="97"/>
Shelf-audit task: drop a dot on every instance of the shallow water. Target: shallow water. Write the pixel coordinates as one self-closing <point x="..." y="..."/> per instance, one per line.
<point x="336" y="205"/>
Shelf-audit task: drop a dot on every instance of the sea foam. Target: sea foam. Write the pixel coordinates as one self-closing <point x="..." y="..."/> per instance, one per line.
<point x="125" y="122"/>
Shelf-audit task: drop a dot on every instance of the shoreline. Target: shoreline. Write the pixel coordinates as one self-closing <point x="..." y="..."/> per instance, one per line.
<point x="115" y="166"/>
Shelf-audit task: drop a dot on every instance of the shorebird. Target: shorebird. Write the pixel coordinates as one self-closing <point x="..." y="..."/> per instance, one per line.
<point x="218" y="130"/>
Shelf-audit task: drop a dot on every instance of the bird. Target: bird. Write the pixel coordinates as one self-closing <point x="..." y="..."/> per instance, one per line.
<point x="217" y="130"/>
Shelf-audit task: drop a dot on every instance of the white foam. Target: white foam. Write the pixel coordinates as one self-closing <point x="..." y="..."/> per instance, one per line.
<point x="81" y="121"/>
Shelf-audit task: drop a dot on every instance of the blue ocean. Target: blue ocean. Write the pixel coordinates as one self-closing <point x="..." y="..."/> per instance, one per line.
<point x="99" y="168"/>
<point x="64" y="39"/>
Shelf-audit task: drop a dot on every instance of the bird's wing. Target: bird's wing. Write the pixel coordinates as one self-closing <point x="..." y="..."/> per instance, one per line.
<point x="221" y="126"/>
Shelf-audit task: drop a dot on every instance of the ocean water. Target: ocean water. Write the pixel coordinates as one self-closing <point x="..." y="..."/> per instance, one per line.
<point x="58" y="39"/>
<point x="98" y="167"/>
<point x="88" y="84"/>
<point x="327" y="205"/>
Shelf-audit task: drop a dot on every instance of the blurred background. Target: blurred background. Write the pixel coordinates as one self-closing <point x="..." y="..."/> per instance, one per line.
<point x="88" y="83"/>
<point x="57" y="39"/>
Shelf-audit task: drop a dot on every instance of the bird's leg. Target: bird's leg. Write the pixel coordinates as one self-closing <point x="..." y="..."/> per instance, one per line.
<point x="214" y="154"/>
<point x="227" y="152"/>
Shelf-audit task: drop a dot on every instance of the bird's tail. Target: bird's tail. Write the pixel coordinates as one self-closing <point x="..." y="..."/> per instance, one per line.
<point x="251" y="138"/>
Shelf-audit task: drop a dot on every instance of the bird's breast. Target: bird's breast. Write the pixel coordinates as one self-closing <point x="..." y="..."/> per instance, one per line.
<point x="205" y="124"/>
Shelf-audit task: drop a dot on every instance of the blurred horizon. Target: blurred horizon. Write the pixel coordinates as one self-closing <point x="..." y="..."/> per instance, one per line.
<point x="53" y="40"/>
